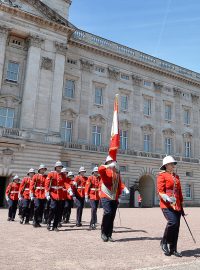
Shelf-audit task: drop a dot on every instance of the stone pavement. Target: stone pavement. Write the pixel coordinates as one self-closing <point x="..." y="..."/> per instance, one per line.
<point x="136" y="247"/>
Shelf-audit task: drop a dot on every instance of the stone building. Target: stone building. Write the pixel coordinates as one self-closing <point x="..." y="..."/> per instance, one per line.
<point x="57" y="87"/>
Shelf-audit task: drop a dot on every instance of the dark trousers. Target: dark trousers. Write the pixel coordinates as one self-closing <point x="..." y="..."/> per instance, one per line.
<point x="172" y="229"/>
<point x="61" y="211"/>
<point x="67" y="209"/>
<point x="46" y="209"/>
<point x="26" y="209"/>
<point x="80" y="206"/>
<point x="38" y="209"/>
<point x="31" y="213"/>
<point x="20" y="208"/>
<point x="94" y="205"/>
<point x="110" y="208"/>
<point x="12" y="208"/>
<point x="55" y="212"/>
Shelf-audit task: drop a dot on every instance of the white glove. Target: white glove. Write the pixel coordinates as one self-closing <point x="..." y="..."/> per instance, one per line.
<point x="70" y="192"/>
<point x="126" y="190"/>
<point x="166" y="198"/>
<point x="7" y="198"/>
<point x="20" y="197"/>
<point x="86" y="198"/>
<point x="112" y="165"/>
<point x="119" y="200"/>
<point x="48" y="197"/>
<point x="74" y="183"/>
<point x="32" y="198"/>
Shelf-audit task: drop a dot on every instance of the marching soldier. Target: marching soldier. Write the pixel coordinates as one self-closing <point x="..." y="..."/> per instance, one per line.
<point x="37" y="194"/>
<point x="54" y="192"/>
<point x="92" y="194"/>
<point x="24" y="195"/>
<point x="171" y="199"/>
<point x="65" y="195"/>
<point x="69" y="198"/>
<point x="79" y="183"/>
<point x="12" y="192"/>
<point x="111" y="189"/>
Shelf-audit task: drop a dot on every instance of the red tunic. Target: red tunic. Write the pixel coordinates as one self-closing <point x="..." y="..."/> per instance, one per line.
<point x="24" y="188"/>
<point x="67" y="187"/>
<point x="12" y="191"/>
<point x="37" y="186"/>
<point x="80" y="189"/>
<point x="169" y="184"/>
<point x="111" y="183"/>
<point x="92" y="187"/>
<point x="54" y="185"/>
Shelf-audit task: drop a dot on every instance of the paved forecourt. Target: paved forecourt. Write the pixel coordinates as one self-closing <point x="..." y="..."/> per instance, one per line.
<point x="136" y="247"/>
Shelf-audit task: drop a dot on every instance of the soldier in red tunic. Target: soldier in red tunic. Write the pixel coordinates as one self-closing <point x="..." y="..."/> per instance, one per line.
<point x="12" y="192"/>
<point x="79" y="184"/>
<point x="111" y="189"/>
<point x="171" y="199"/>
<point x="24" y="195"/>
<point x="92" y="189"/>
<point x="37" y="193"/>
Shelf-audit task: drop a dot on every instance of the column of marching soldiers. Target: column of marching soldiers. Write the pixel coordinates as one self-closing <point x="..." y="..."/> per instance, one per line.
<point x="48" y="198"/>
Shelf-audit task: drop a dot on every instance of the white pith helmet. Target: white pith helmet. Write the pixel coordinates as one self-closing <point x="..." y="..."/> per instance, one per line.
<point x="58" y="164"/>
<point x="31" y="171"/>
<point x="16" y="177"/>
<point x="42" y="166"/>
<point x="70" y="174"/>
<point x="82" y="169"/>
<point x="95" y="169"/>
<point x="108" y="159"/>
<point x="167" y="160"/>
<point x="64" y="170"/>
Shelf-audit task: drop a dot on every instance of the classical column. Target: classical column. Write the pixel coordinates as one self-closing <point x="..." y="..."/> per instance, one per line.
<point x="56" y="97"/>
<point x="3" y="38"/>
<point x="31" y="83"/>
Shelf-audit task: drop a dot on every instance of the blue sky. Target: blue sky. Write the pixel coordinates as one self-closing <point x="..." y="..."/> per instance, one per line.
<point x="168" y="29"/>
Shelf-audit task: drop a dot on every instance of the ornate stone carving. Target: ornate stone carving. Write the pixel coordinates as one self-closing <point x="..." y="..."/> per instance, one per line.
<point x="136" y="79"/>
<point x="177" y="92"/>
<point x="187" y="135"/>
<point x="7" y="152"/>
<point x="158" y="86"/>
<point x="4" y="30"/>
<point x="9" y="101"/>
<point x="61" y="48"/>
<point x="47" y="63"/>
<point x="147" y="128"/>
<point x="35" y="41"/>
<point x="195" y="98"/>
<point x="168" y="132"/>
<point x="97" y="118"/>
<point x="124" y="124"/>
<point x="113" y="73"/>
<point x="86" y="65"/>
<point x="69" y="114"/>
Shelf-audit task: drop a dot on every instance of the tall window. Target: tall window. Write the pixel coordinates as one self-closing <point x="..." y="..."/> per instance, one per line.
<point x="96" y="135"/>
<point x="147" y="143"/>
<point x="188" y="191"/>
<point x="168" y="112"/>
<point x="168" y="146"/>
<point x="66" y="131"/>
<point x="99" y="95"/>
<point x="124" y="102"/>
<point x="69" y="89"/>
<point x="187" y="117"/>
<point x="12" y="72"/>
<point x="188" y="149"/>
<point x="6" y="117"/>
<point x="123" y="139"/>
<point x="147" y="106"/>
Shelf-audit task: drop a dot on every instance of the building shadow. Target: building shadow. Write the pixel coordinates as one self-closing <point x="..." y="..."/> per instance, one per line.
<point x="191" y="253"/>
<point x="138" y="239"/>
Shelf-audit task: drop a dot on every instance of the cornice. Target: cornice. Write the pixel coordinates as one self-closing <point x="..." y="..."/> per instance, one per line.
<point x="39" y="20"/>
<point x="130" y="61"/>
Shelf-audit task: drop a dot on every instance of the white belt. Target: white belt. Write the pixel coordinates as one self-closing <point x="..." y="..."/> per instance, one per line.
<point x="55" y="187"/>
<point x="14" y="192"/>
<point x="81" y="187"/>
<point x="26" y="189"/>
<point x="39" y="187"/>
<point x="96" y="189"/>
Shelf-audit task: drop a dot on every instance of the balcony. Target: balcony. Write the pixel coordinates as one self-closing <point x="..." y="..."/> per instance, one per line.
<point x="10" y="132"/>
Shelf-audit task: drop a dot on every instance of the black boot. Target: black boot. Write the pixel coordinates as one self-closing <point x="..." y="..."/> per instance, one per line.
<point x="104" y="237"/>
<point x="173" y="251"/>
<point x="165" y="248"/>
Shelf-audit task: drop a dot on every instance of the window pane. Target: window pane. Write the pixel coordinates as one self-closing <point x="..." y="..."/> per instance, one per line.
<point x="96" y="135"/>
<point x="98" y="96"/>
<point x="147" y="143"/>
<point x="6" y="117"/>
<point x="168" y="112"/>
<point x="147" y="106"/>
<point x="70" y="88"/>
<point x="13" y="71"/>
<point x="66" y="131"/>
<point x="124" y="102"/>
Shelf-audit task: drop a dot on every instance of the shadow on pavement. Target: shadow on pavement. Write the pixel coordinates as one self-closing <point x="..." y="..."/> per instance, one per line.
<point x="127" y="231"/>
<point x="191" y="253"/>
<point x="138" y="239"/>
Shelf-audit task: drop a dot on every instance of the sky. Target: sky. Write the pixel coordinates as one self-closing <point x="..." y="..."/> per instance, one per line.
<point x="167" y="29"/>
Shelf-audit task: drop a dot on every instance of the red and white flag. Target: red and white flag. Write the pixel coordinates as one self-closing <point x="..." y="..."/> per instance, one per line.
<point x="115" y="136"/>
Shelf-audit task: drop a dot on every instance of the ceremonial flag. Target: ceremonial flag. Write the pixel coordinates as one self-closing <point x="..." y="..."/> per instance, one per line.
<point x="115" y="136"/>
